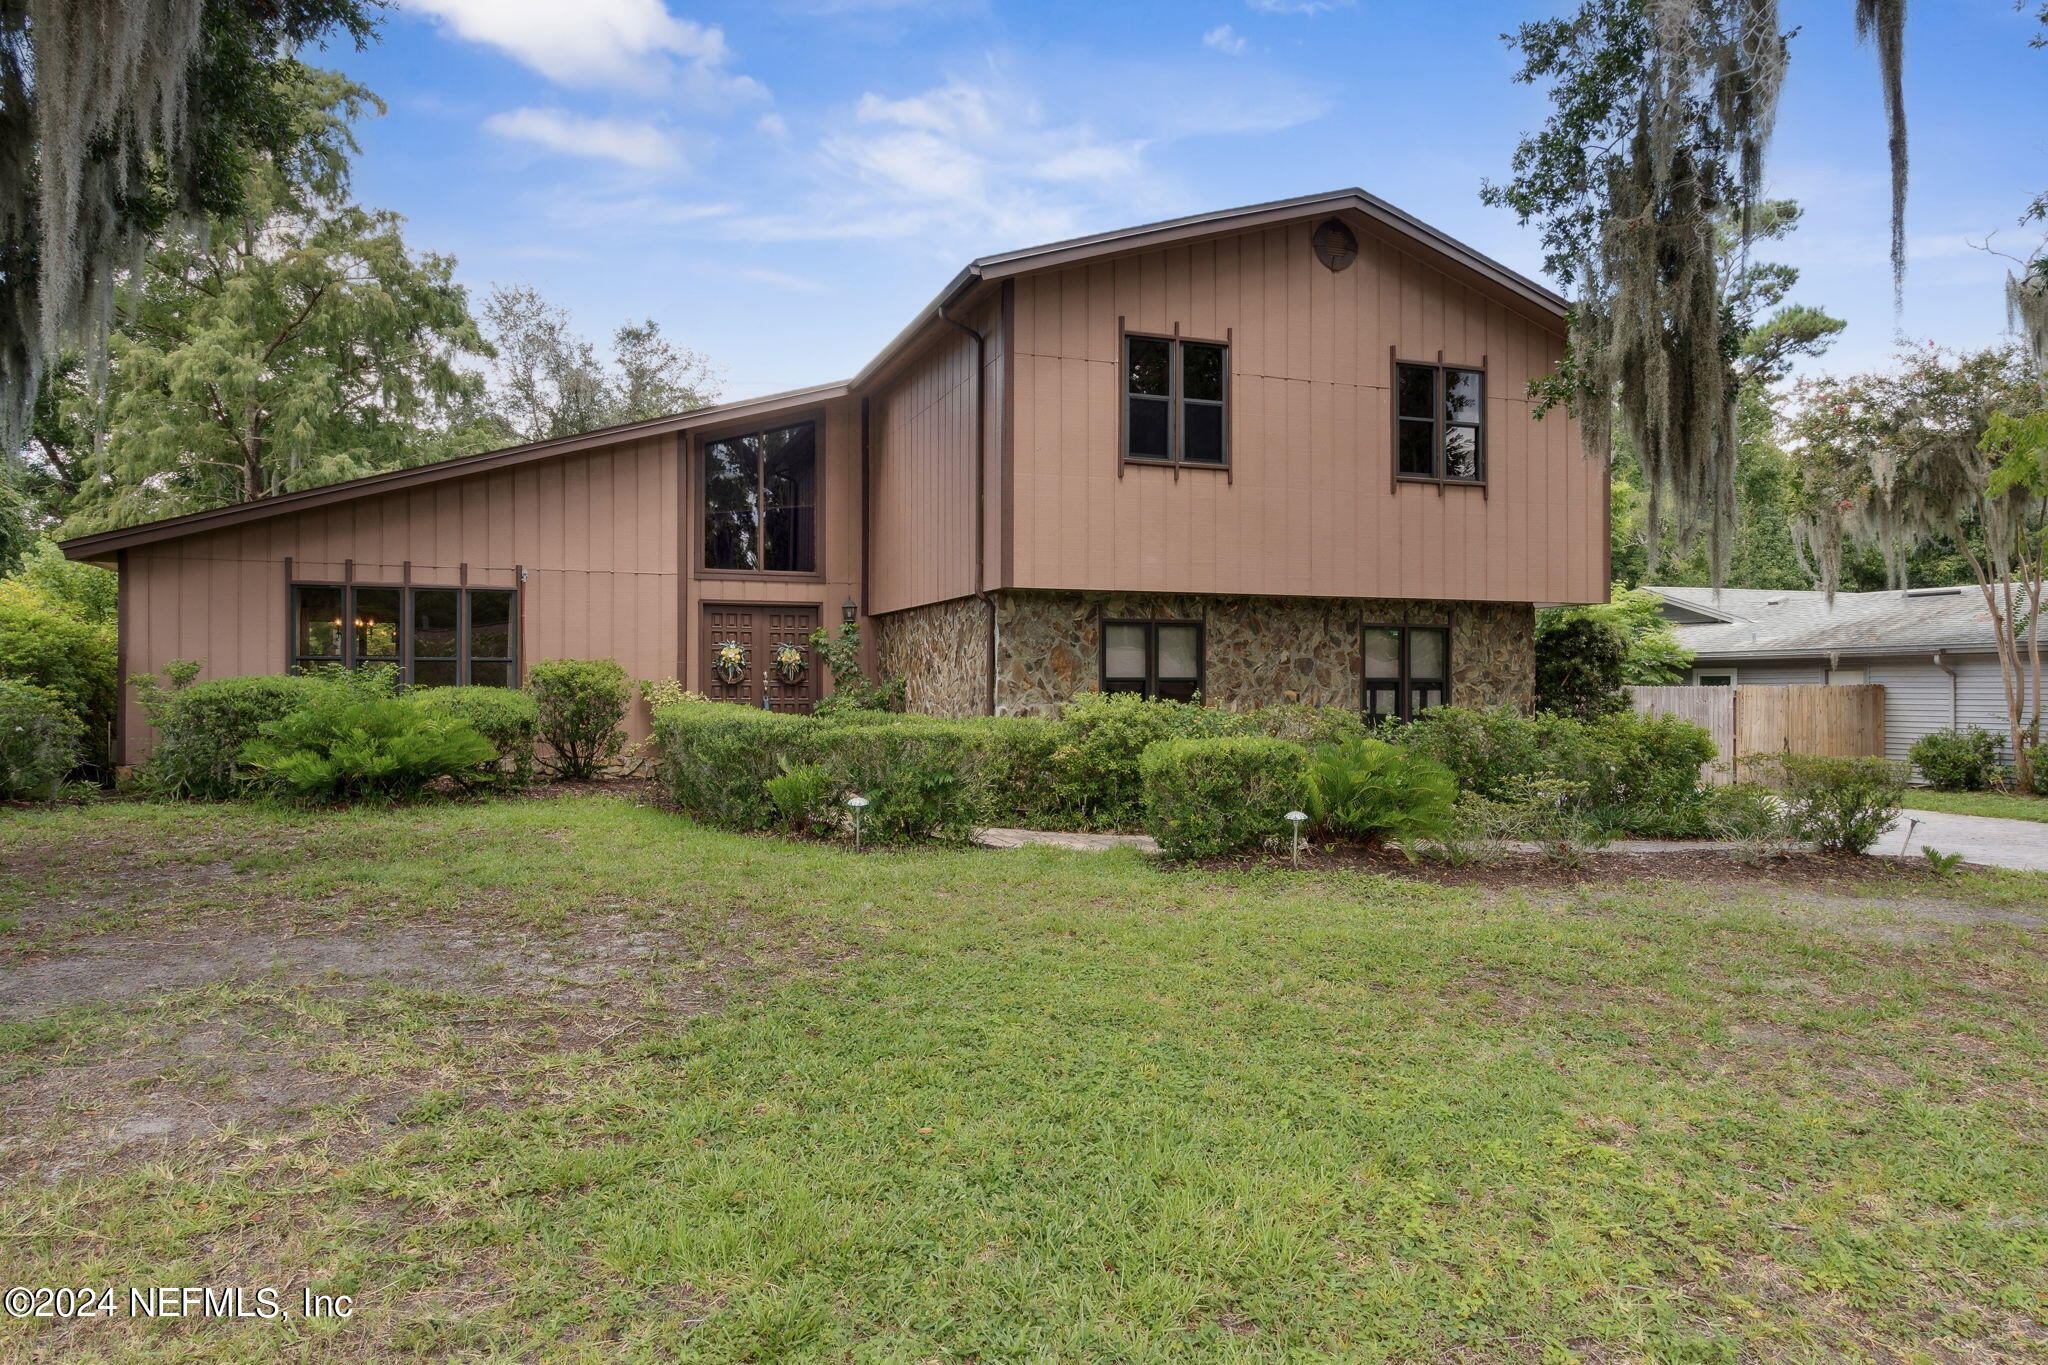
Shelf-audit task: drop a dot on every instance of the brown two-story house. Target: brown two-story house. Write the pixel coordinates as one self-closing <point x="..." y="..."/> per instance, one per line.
<point x="1277" y="453"/>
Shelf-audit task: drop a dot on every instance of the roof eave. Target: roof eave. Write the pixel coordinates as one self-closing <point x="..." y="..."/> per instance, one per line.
<point x="105" y="543"/>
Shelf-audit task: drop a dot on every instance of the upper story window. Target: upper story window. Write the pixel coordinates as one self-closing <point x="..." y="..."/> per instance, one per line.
<point x="1155" y="658"/>
<point x="435" y="637"/>
<point x="761" y="500"/>
<point x="1176" y="401"/>
<point x="1440" y="422"/>
<point x="1407" y="670"/>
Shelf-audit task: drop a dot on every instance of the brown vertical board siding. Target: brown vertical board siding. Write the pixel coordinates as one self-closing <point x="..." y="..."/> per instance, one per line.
<point x="1309" y="507"/>
<point x="922" y="476"/>
<point x="597" y="530"/>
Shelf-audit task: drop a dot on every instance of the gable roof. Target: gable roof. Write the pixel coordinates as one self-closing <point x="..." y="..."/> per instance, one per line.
<point x="1764" y="623"/>
<point x="979" y="273"/>
<point x="1005" y="264"/>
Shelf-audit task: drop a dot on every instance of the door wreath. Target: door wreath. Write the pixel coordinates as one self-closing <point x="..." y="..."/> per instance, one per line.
<point x="729" y="662"/>
<point x="791" y="663"/>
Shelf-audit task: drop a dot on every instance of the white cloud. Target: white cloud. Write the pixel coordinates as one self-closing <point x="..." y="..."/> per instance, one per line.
<point x="1296" y="6"/>
<point x="775" y="279"/>
<point x="633" y="43"/>
<point x="979" y="161"/>
<point x="773" y="125"/>
<point x="628" y="142"/>
<point x="1226" y="40"/>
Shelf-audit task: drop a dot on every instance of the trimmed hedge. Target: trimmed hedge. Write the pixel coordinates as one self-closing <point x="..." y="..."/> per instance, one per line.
<point x="508" y="718"/>
<point x="1205" y="797"/>
<point x="1957" y="760"/>
<point x="922" y="775"/>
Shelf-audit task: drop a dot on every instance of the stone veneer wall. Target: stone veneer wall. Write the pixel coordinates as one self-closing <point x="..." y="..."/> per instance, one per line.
<point x="1260" y="651"/>
<point x="941" y="653"/>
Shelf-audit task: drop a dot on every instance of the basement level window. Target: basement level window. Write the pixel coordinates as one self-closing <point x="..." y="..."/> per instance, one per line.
<point x="1407" y="671"/>
<point x="435" y="637"/>
<point x="1152" y="658"/>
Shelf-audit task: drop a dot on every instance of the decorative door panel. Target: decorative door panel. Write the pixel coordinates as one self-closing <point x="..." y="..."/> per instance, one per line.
<point x="754" y="648"/>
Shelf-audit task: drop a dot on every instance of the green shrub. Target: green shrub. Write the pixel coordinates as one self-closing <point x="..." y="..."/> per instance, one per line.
<point x="1372" y="791"/>
<point x="1304" y="724"/>
<point x="919" y="774"/>
<point x="203" y="726"/>
<point x="1223" y="795"/>
<point x="581" y="704"/>
<point x="365" y="682"/>
<point x="2038" y="757"/>
<point x="852" y="689"/>
<point x="1842" y="804"/>
<point x="1641" y="773"/>
<point x="341" y="747"/>
<point x="508" y="718"/>
<point x="73" y="660"/>
<point x="804" y="795"/>
<point x="1093" y="775"/>
<point x="1581" y="663"/>
<point x="715" y="759"/>
<point x="40" y="742"/>
<point x="1958" y="760"/>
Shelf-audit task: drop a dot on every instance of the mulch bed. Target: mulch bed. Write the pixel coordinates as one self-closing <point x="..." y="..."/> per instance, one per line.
<point x="1533" y="870"/>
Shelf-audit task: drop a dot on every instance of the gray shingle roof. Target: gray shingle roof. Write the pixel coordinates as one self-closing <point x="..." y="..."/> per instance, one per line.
<point x="1767" y="622"/>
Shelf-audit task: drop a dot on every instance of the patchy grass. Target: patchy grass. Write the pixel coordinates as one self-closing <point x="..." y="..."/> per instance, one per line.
<point x="2004" y="805"/>
<point x="573" y="1080"/>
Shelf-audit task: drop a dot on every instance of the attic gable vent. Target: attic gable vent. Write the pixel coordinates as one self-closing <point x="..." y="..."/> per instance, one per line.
<point x="1336" y="245"/>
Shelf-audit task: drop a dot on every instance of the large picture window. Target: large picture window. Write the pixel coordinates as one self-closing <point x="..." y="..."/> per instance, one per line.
<point x="1176" y="401"/>
<point x="435" y="637"/>
<point x="1440" y="423"/>
<point x="1154" y="658"/>
<point x="1407" y="670"/>
<point x="761" y="501"/>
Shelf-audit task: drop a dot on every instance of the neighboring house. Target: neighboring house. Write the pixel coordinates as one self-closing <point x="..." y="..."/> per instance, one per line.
<point x="1931" y="649"/>
<point x="1271" y="454"/>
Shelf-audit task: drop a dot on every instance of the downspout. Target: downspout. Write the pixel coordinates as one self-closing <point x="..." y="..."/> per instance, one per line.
<point x="980" y="493"/>
<point x="1954" y="713"/>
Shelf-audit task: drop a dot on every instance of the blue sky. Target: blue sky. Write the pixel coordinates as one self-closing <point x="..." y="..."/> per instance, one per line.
<point x="782" y="184"/>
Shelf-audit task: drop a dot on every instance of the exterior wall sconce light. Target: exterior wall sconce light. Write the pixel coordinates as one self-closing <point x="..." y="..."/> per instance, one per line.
<point x="849" y="610"/>
<point x="1294" y="818"/>
<point x="858" y="803"/>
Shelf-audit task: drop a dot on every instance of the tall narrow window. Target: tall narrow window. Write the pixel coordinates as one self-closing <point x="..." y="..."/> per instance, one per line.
<point x="761" y="501"/>
<point x="1407" y="670"/>
<point x="1176" y="401"/>
<point x="1153" y="658"/>
<point x="435" y="637"/>
<point x="1439" y="423"/>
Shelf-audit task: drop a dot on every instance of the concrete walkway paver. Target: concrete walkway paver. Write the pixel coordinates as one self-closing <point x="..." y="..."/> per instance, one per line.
<point x="2018" y="844"/>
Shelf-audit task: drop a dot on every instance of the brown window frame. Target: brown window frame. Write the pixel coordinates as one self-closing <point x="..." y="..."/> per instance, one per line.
<point x="700" y="496"/>
<point x="1404" y="683"/>
<point x="1437" y="422"/>
<point x="349" y="658"/>
<point x="1151" y="679"/>
<point x="1176" y="401"/>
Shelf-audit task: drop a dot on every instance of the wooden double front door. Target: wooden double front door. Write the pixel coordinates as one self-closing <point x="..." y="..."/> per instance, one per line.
<point x="759" y="630"/>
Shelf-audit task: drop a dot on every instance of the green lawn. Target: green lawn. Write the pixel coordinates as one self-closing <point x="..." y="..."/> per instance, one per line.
<point x="572" y="1080"/>
<point x="2004" y="805"/>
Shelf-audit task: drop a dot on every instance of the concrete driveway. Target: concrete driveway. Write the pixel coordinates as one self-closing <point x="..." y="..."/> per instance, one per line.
<point x="2021" y="844"/>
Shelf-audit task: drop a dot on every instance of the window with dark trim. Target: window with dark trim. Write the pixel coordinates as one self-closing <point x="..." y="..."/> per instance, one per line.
<point x="1407" y="670"/>
<point x="761" y="500"/>
<point x="1154" y="658"/>
<point x="436" y="637"/>
<point x="1176" y="401"/>
<point x="1439" y="422"/>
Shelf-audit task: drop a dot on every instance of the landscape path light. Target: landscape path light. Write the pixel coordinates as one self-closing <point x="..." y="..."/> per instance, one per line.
<point x="1294" y="818"/>
<point x="858" y="803"/>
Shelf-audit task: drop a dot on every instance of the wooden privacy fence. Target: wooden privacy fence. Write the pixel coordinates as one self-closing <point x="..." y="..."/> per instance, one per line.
<point x="1803" y="719"/>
